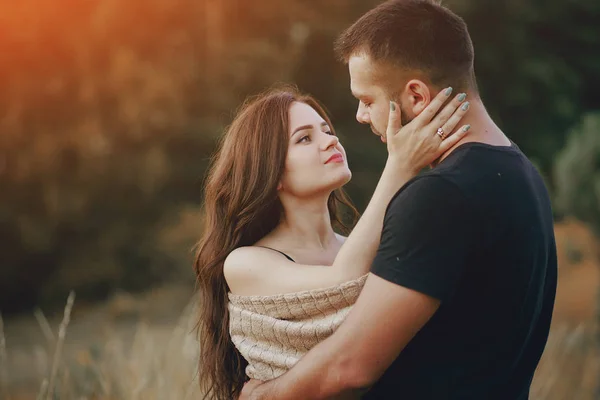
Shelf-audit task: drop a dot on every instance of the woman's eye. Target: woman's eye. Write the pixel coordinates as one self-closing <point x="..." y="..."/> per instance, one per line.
<point x="303" y="139"/>
<point x="329" y="132"/>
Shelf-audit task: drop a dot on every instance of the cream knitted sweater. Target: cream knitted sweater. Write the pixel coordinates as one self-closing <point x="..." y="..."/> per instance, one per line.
<point x="273" y="332"/>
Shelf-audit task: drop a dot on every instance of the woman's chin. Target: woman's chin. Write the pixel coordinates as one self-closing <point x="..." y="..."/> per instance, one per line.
<point x="344" y="179"/>
<point x="348" y="178"/>
<point x="325" y="187"/>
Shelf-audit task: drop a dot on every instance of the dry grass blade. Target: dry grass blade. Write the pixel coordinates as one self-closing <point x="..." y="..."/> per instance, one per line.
<point x="3" y="362"/>
<point x="44" y="325"/>
<point x="62" y="331"/>
<point x="43" y="388"/>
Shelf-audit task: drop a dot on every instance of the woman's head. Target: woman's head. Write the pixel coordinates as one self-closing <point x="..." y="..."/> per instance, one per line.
<point x="261" y="158"/>
<point x="316" y="161"/>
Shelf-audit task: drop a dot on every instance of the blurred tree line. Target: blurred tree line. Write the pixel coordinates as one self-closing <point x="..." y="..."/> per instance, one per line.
<point x="110" y="110"/>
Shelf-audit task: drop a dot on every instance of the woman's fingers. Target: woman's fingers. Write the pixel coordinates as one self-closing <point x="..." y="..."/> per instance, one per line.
<point x="394" y="121"/>
<point x="425" y="117"/>
<point x="450" y="141"/>
<point x="451" y="115"/>
<point x="449" y="126"/>
<point x="421" y="141"/>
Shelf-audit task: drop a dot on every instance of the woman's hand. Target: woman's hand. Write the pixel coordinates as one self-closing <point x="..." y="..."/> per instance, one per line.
<point x="428" y="136"/>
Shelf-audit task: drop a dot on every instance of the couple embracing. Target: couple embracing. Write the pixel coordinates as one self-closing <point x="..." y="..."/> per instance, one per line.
<point x="444" y="288"/>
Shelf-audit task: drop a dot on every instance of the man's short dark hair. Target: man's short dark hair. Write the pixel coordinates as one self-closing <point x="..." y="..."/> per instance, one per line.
<point x="414" y="35"/>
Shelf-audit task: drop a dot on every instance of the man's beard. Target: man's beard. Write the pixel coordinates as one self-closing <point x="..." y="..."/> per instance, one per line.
<point x="404" y="120"/>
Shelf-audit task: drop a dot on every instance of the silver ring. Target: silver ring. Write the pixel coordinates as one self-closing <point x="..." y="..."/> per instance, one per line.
<point x="441" y="134"/>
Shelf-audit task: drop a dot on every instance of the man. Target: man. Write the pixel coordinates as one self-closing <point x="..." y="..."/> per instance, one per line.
<point x="460" y="296"/>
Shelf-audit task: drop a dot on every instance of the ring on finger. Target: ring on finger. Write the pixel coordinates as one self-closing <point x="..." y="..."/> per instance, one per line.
<point x="440" y="132"/>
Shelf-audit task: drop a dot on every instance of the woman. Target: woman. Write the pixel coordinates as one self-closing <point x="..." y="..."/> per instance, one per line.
<point x="272" y="200"/>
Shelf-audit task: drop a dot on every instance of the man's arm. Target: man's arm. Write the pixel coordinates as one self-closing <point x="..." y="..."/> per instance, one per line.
<point x="347" y="363"/>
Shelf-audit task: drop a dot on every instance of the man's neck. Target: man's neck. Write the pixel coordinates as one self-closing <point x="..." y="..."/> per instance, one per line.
<point x="483" y="129"/>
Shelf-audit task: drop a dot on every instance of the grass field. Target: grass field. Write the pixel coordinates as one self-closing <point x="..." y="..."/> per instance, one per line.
<point x="143" y="347"/>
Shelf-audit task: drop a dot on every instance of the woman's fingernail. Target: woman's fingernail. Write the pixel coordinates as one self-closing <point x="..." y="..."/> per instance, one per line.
<point x="448" y="91"/>
<point x="462" y="97"/>
<point x="465" y="106"/>
<point x="392" y="106"/>
<point x="466" y="128"/>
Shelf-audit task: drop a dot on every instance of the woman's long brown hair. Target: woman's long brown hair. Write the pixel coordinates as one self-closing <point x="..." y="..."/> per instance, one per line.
<point x="241" y="206"/>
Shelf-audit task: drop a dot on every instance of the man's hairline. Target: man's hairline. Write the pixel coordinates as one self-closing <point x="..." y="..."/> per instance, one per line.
<point x="384" y="83"/>
<point x="416" y="73"/>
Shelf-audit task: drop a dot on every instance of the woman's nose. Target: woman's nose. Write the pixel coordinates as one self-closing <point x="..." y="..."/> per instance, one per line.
<point x="331" y="141"/>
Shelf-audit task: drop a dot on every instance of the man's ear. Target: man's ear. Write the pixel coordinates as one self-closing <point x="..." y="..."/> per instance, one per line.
<point x="418" y="95"/>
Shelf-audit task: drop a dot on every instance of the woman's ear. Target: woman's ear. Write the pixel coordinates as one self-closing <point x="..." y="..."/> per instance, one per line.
<point x="279" y="187"/>
<point x="418" y="94"/>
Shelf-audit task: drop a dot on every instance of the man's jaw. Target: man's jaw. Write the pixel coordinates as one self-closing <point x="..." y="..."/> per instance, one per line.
<point x="382" y="137"/>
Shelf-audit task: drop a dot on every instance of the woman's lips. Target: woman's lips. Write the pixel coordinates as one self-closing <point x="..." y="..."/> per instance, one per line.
<point x="335" y="158"/>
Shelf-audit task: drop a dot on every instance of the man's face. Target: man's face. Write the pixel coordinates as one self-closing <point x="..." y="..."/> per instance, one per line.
<point x="374" y="100"/>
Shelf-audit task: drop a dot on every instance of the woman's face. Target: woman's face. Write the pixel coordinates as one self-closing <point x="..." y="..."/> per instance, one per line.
<point x="316" y="161"/>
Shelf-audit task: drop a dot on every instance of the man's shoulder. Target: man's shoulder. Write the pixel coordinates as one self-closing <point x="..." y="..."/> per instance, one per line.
<point x="472" y="157"/>
<point x="426" y="190"/>
<point x="442" y="178"/>
<point x="429" y="183"/>
<point x="468" y="168"/>
<point x="472" y="173"/>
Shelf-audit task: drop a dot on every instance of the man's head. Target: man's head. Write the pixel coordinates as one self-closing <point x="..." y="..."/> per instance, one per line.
<point x="405" y="51"/>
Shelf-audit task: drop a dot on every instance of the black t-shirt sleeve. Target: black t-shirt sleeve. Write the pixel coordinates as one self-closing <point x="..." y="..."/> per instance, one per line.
<point x="427" y="238"/>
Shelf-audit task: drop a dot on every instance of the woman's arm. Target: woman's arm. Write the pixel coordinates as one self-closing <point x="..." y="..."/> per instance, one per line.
<point x="257" y="271"/>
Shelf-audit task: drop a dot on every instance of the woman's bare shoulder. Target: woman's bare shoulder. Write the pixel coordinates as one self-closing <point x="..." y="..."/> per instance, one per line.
<point x="246" y="264"/>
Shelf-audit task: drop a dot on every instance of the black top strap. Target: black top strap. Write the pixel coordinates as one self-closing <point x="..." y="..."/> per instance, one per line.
<point x="281" y="252"/>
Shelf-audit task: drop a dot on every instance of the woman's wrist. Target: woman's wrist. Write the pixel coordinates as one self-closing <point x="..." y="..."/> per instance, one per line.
<point x="398" y="170"/>
<point x="392" y="179"/>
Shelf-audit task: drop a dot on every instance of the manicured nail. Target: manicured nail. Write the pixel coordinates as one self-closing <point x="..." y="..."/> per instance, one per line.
<point x="465" y="106"/>
<point x="448" y="91"/>
<point x="392" y="106"/>
<point x="462" y="97"/>
<point x="466" y="128"/>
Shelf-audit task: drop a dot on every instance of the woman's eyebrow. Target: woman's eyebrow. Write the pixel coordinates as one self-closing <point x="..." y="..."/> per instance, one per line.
<point x="303" y="127"/>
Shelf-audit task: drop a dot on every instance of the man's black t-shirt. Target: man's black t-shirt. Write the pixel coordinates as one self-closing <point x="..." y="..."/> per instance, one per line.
<point x="476" y="232"/>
